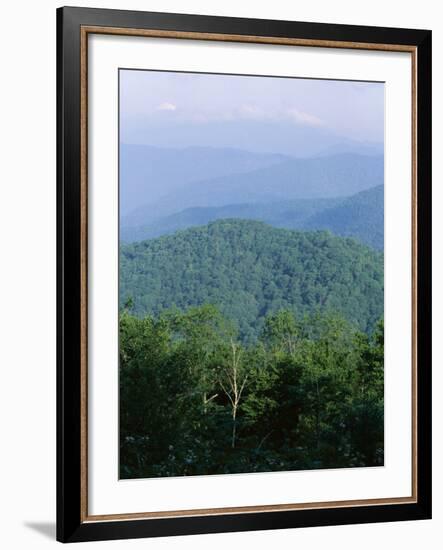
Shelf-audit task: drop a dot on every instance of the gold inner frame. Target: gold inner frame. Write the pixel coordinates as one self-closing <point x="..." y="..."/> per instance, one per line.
<point x="84" y="32"/>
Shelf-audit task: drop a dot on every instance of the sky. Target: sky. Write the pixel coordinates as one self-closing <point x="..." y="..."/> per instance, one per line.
<point x="261" y="114"/>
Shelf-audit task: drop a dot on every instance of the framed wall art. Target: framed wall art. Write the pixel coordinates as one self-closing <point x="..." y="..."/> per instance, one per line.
<point x="244" y="274"/>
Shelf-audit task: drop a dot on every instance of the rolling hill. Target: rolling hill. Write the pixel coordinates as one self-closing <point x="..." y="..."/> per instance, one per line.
<point x="250" y="269"/>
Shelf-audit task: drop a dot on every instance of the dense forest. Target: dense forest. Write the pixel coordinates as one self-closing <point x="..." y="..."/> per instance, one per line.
<point x="196" y="400"/>
<point x="250" y="270"/>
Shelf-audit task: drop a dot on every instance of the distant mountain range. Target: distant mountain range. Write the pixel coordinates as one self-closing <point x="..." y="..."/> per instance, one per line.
<point x="363" y="148"/>
<point x="149" y="173"/>
<point x="259" y="135"/>
<point x="359" y="216"/>
<point x="250" y="269"/>
<point x="290" y="214"/>
<point x="177" y="176"/>
<point x="164" y="190"/>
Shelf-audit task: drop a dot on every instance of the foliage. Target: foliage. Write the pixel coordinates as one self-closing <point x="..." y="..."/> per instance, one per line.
<point x="250" y="270"/>
<point x="195" y="400"/>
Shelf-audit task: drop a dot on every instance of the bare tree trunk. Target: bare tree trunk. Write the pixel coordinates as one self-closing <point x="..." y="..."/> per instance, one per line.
<point x="234" y="424"/>
<point x="207" y="400"/>
<point x="317" y="415"/>
<point x="233" y="387"/>
<point x="235" y="361"/>
<point x="263" y="440"/>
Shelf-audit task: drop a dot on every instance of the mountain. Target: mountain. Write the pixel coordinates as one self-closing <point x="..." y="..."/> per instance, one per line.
<point x="290" y="214"/>
<point x="360" y="216"/>
<point x="259" y="135"/>
<point x="310" y="178"/>
<point x="148" y="173"/>
<point x="250" y="269"/>
<point x="358" y="147"/>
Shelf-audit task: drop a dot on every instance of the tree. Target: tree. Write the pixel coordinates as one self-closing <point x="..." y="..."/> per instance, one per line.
<point x="249" y="270"/>
<point x="233" y="376"/>
<point x="281" y="332"/>
<point x="195" y="400"/>
<point x="199" y="333"/>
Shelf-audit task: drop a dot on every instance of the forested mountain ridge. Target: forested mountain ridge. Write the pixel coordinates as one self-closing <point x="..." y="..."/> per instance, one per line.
<point x="249" y="270"/>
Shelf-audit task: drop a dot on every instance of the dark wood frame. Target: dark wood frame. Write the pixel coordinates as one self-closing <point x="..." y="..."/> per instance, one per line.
<point x="73" y="521"/>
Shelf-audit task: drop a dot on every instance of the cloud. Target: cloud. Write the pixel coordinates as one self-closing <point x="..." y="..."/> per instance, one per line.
<point x="251" y="111"/>
<point x="166" y="107"/>
<point x="303" y="118"/>
<point x="297" y="116"/>
<point x="245" y="111"/>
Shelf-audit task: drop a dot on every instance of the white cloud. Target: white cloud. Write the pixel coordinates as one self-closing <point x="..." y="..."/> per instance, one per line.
<point x="245" y="111"/>
<point x="257" y="113"/>
<point x="254" y="112"/>
<point x="251" y="111"/>
<point x="166" y="107"/>
<point x="306" y="119"/>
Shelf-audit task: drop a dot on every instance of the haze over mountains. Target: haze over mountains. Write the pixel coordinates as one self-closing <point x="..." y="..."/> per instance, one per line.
<point x="359" y="216"/>
<point x="262" y="136"/>
<point x="170" y="189"/>
<point x="148" y="173"/>
<point x="291" y="214"/>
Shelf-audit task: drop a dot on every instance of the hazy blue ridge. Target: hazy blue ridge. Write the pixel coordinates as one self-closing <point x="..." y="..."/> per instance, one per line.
<point x="265" y="136"/>
<point x="309" y="178"/>
<point x="290" y="214"/>
<point x="249" y="269"/>
<point x="148" y="173"/>
<point x="359" y="216"/>
<point x="347" y="146"/>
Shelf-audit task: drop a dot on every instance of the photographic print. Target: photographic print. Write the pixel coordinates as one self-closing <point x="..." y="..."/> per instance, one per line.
<point x="244" y="274"/>
<point x="251" y="284"/>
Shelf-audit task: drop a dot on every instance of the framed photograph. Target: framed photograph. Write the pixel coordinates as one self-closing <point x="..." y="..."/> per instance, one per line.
<point x="244" y="274"/>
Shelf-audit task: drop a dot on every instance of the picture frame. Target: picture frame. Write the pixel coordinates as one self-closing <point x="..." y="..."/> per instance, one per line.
<point x="75" y="26"/>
